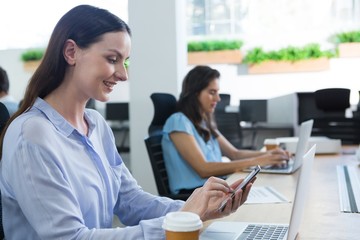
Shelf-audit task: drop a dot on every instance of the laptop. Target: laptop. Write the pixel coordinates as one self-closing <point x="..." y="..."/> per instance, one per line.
<point x="246" y="230"/>
<point x="295" y="162"/>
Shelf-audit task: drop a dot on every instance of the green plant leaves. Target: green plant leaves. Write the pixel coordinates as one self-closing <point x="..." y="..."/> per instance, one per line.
<point x="257" y="55"/>
<point x="346" y="37"/>
<point x="213" y="45"/>
<point x="290" y="53"/>
<point x="32" y="55"/>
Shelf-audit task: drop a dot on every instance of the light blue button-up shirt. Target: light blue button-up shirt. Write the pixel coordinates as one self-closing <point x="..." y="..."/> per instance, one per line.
<point x="59" y="184"/>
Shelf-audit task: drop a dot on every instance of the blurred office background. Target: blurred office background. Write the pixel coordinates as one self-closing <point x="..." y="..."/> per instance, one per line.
<point x="269" y="24"/>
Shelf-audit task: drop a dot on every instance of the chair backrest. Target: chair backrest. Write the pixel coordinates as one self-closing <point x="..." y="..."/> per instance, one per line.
<point x="228" y="124"/>
<point x="224" y="102"/>
<point x="154" y="149"/>
<point x="333" y="99"/>
<point x="4" y="117"/>
<point x="333" y="123"/>
<point x="164" y="106"/>
<point x="118" y="112"/>
<point x="155" y="152"/>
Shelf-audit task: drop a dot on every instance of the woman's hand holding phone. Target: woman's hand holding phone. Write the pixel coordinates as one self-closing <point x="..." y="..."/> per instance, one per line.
<point x="248" y="179"/>
<point x="215" y="199"/>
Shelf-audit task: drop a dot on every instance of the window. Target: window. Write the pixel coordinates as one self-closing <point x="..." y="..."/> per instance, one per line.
<point x="215" y="17"/>
<point x="272" y="23"/>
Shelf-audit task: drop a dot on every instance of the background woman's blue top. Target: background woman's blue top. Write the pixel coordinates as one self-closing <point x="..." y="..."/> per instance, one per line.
<point x="181" y="174"/>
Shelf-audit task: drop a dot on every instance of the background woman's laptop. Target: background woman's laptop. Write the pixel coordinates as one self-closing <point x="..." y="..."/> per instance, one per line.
<point x="243" y="230"/>
<point x="295" y="162"/>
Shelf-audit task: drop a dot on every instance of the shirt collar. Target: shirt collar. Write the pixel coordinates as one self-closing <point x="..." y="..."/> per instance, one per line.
<point x="60" y="123"/>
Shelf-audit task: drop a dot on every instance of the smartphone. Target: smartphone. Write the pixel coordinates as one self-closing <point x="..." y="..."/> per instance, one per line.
<point x="242" y="186"/>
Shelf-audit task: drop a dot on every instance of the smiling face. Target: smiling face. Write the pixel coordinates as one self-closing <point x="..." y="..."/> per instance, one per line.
<point x="209" y="97"/>
<point x="100" y="67"/>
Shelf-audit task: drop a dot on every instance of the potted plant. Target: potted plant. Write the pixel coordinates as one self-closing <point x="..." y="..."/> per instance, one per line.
<point x="289" y="59"/>
<point x="31" y="59"/>
<point x="348" y="43"/>
<point x="214" y="52"/>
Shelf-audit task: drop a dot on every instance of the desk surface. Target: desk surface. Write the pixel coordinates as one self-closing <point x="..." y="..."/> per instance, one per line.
<point x="322" y="218"/>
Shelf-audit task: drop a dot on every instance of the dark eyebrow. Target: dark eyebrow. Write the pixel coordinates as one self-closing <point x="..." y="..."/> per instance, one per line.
<point x="117" y="52"/>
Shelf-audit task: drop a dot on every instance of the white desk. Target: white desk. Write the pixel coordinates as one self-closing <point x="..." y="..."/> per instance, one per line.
<point x="322" y="218"/>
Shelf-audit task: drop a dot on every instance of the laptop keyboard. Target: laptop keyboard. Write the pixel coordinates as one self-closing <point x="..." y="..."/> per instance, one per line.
<point x="268" y="232"/>
<point x="285" y="165"/>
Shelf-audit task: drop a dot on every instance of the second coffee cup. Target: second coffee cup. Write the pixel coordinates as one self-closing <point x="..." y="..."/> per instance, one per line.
<point x="270" y="144"/>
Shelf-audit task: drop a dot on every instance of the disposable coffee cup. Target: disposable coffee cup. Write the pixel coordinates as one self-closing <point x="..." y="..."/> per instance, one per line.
<point x="270" y="144"/>
<point x="182" y="226"/>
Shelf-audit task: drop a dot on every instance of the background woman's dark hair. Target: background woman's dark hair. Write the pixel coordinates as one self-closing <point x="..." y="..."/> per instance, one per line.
<point x="4" y="81"/>
<point x="85" y="25"/>
<point x="194" y="82"/>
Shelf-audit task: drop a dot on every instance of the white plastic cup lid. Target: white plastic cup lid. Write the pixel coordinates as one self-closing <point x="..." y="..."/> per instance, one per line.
<point x="270" y="141"/>
<point x="182" y="222"/>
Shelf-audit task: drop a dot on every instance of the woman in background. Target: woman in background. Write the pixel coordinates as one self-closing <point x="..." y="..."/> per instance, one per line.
<point x="61" y="175"/>
<point x="9" y="101"/>
<point x="193" y="147"/>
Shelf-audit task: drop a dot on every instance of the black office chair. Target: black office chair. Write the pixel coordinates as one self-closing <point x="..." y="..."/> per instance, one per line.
<point x="224" y="102"/>
<point x="154" y="149"/>
<point x="333" y="101"/>
<point x="4" y="117"/>
<point x="332" y="122"/>
<point x="228" y="124"/>
<point x="119" y="112"/>
<point x="164" y="106"/>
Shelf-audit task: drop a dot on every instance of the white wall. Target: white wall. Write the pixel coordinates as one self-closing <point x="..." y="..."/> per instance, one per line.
<point x="10" y="61"/>
<point x="158" y="61"/>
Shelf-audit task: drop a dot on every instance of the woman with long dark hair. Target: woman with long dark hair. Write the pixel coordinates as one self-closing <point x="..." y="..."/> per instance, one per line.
<point x="61" y="175"/>
<point x="193" y="146"/>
